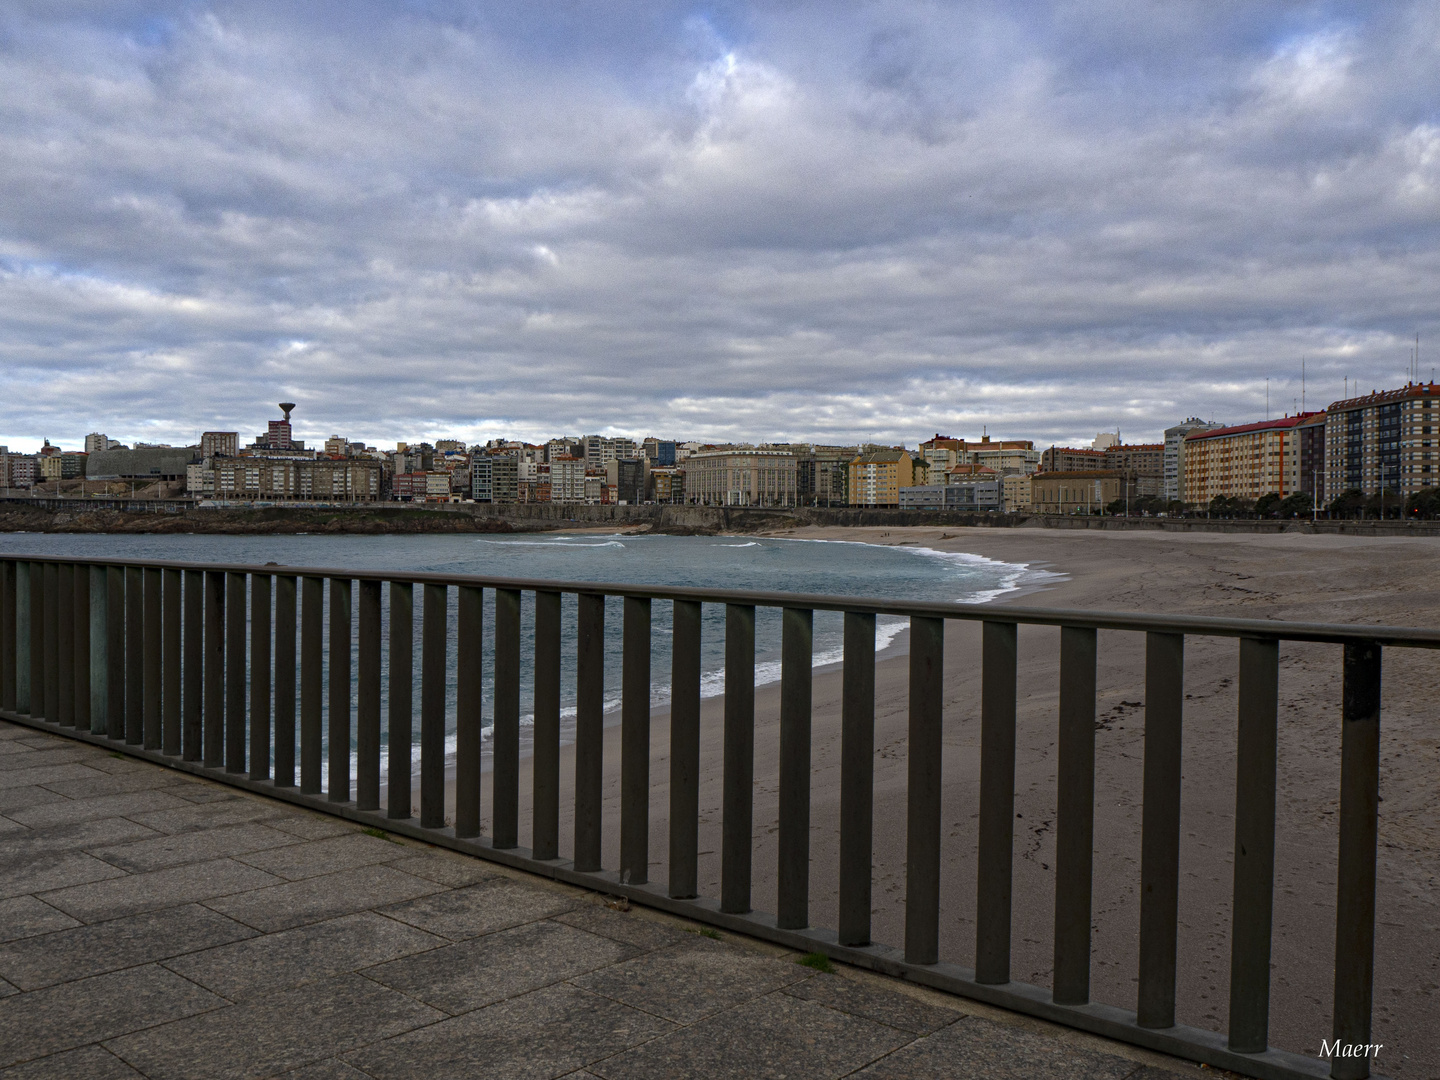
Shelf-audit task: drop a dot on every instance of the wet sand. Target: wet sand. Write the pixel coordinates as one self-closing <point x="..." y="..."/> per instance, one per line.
<point x="1308" y="578"/>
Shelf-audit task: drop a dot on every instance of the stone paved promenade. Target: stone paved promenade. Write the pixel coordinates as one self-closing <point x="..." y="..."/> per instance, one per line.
<point x="154" y="924"/>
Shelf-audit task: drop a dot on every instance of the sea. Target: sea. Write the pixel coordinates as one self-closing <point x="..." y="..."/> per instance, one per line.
<point x="838" y="567"/>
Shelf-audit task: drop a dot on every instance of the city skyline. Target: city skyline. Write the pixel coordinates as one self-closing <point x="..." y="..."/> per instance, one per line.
<point x="733" y="223"/>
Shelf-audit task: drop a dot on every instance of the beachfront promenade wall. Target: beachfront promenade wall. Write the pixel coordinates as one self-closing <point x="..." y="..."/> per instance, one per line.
<point x="228" y="671"/>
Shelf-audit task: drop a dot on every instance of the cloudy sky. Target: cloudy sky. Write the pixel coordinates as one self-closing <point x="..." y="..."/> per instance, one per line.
<point x="822" y="222"/>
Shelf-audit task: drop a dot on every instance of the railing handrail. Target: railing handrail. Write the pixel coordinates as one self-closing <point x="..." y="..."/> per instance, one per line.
<point x="1203" y="625"/>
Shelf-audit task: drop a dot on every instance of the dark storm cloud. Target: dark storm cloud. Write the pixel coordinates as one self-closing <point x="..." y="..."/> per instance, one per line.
<point x="822" y="222"/>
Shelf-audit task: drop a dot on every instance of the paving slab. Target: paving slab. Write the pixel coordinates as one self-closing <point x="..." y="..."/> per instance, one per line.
<point x="311" y="858"/>
<point x="133" y="805"/>
<point x="103" y="783"/>
<point x="60" y="753"/>
<point x="272" y="962"/>
<point x="481" y="971"/>
<point x="9" y="828"/>
<point x="692" y="980"/>
<point x="542" y="1034"/>
<point x="327" y="1070"/>
<point x="178" y="815"/>
<point x="90" y="1062"/>
<point x="776" y="1037"/>
<point x="131" y="894"/>
<point x="631" y="927"/>
<point x="55" y="872"/>
<point x="294" y="903"/>
<point x="26" y="916"/>
<point x="980" y="1049"/>
<point x="74" y="1014"/>
<point x="883" y="1005"/>
<point x="77" y="836"/>
<point x="31" y="796"/>
<point x="311" y="826"/>
<point x="455" y="871"/>
<point x="6" y="989"/>
<point x="43" y="774"/>
<point x="278" y="1033"/>
<point x="176" y="849"/>
<point x="492" y="905"/>
<point x="66" y="955"/>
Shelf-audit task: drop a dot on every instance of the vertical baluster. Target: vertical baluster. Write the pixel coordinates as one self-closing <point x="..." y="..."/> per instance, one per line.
<point x="1254" y="845"/>
<point x="153" y="687"/>
<point x="65" y="644"/>
<point x="50" y="614"/>
<point x="922" y="829"/>
<point x="339" y="690"/>
<point x="857" y="767"/>
<point x="170" y="663"/>
<point x="1359" y="819"/>
<point x="135" y="654"/>
<point x="1075" y="815"/>
<point x="192" y="736"/>
<point x="589" y="728"/>
<point x="997" y="803"/>
<point x="214" y="708"/>
<point x="99" y="618"/>
<point x="1160" y="828"/>
<point x="635" y="742"/>
<point x="367" y="709"/>
<point x="115" y="652"/>
<point x="545" y="791"/>
<point x="259" y="676"/>
<point x="24" y="638"/>
<point x="37" y="638"/>
<point x="399" y="719"/>
<point x="684" y="748"/>
<point x="312" y="666"/>
<point x="235" y="680"/>
<point x="737" y="813"/>
<point x="792" y="908"/>
<point x="285" y="589"/>
<point x="470" y="615"/>
<point x="506" y="745"/>
<point x="432" y="707"/>
<point x="7" y="634"/>
<point x="80" y="616"/>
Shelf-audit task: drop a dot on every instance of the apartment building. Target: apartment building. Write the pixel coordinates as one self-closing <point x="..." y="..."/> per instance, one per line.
<point x="567" y="479"/>
<point x="1173" y="456"/>
<point x="977" y="495"/>
<point x="1385" y="441"/>
<point x="277" y="479"/>
<point x="823" y="476"/>
<point x="741" y="477"/>
<point x="876" y="478"/>
<point x="494" y="478"/>
<point x="1082" y="491"/>
<point x="667" y="484"/>
<point x="1245" y="461"/>
<point x="1015" y="494"/>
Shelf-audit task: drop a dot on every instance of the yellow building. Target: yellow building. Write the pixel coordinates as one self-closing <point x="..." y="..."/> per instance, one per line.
<point x="1081" y="491"/>
<point x="1016" y="497"/>
<point x="876" y="479"/>
<point x="1244" y="462"/>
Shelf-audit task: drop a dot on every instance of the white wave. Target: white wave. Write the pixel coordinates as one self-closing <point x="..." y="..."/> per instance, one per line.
<point x="552" y="543"/>
<point x="751" y="543"/>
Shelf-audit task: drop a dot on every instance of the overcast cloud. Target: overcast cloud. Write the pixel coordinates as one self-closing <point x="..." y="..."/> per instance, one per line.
<point x="818" y="222"/>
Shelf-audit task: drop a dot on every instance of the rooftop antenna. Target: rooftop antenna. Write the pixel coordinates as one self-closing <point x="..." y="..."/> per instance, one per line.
<point x="1302" y="384"/>
<point x="1267" y="399"/>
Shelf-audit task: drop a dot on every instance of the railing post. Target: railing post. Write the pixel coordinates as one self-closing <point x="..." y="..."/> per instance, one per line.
<point x="737" y="799"/>
<point x="7" y="634"/>
<point x="792" y="907"/>
<point x="399" y="718"/>
<point x="170" y="663"/>
<point x="259" y="676"/>
<point x="469" y="716"/>
<point x="115" y="652"/>
<point x="135" y="655"/>
<point x="922" y="826"/>
<point x="36" y="582"/>
<point x="545" y="786"/>
<point x="65" y="644"/>
<point x="367" y="706"/>
<point x="192" y="735"/>
<point x="1075" y="816"/>
<point x="432" y="707"/>
<point x="285" y="587"/>
<point x="214" y="708"/>
<point x="99" y="649"/>
<point x="1160" y="828"/>
<point x="589" y="728"/>
<point x="505" y="747"/>
<point x="995" y="856"/>
<point x="339" y="690"/>
<point x="24" y="644"/>
<point x="50" y="614"/>
<point x="235" y="674"/>
<point x="684" y="748"/>
<point x="1359" y="815"/>
<point x="857" y="778"/>
<point x="312" y="666"/>
<point x="80" y="616"/>
<point x="154" y="687"/>
<point x="635" y="743"/>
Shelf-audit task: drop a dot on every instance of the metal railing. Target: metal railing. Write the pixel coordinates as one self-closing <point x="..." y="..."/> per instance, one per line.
<point x="173" y="662"/>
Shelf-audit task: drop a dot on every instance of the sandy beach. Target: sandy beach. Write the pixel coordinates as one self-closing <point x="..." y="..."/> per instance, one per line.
<point x="1310" y="578"/>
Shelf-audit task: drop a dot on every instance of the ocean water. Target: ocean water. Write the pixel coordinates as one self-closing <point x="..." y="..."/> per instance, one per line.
<point x="780" y="565"/>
